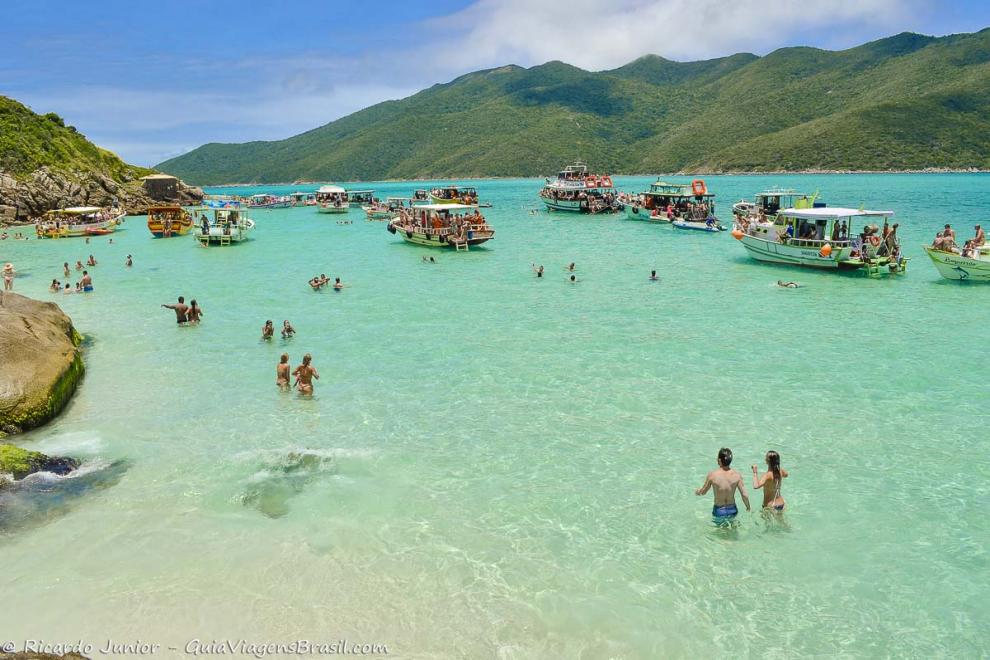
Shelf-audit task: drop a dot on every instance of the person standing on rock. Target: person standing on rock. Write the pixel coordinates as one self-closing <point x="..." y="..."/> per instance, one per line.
<point x="8" y="277"/>
<point x="87" y="282"/>
<point x="181" y="309"/>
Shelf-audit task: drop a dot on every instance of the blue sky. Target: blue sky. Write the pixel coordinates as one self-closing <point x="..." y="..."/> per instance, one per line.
<point x="153" y="80"/>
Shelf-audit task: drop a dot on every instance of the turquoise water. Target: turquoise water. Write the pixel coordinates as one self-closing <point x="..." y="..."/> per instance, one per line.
<point x="505" y="466"/>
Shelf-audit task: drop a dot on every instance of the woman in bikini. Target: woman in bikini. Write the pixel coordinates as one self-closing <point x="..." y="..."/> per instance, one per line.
<point x="770" y="483"/>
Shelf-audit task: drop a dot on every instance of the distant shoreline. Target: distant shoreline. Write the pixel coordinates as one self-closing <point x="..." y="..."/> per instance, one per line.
<point x="930" y="170"/>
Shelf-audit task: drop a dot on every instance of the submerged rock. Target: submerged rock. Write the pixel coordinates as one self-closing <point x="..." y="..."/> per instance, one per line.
<point x="40" y="362"/>
<point x="275" y="484"/>
<point x="19" y="462"/>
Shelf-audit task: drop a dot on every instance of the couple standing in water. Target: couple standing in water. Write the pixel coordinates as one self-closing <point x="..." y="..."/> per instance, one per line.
<point x="726" y="481"/>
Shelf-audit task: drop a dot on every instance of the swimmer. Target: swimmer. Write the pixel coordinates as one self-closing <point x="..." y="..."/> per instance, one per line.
<point x="653" y="276"/>
<point x="129" y="262"/>
<point x="67" y="289"/>
<point x="79" y="265"/>
<point x="537" y="269"/>
<point x="195" y="312"/>
<point x="305" y="373"/>
<point x="287" y="330"/>
<point x="770" y="482"/>
<point x="65" y="268"/>
<point x="91" y="261"/>
<point x="315" y="283"/>
<point x="573" y="279"/>
<point x="571" y="267"/>
<point x="788" y="285"/>
<point x="282" y="373"/>
<point x="181" y="310"/>
<point x="337" y="285"/>
<point x="726" y="482"/>
<point x="267" y="330"/>
<point x="55" y="287"/>
<point x="87" y="282"/>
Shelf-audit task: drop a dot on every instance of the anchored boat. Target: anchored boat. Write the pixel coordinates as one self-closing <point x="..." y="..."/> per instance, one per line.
<point x="303" y="199"/>
<point x="578" y="191"/>
<point x="767" y="204"/>
<point x="684" y="205"/>
<point x="824" y="238"/>
<point x="358" y="198"/>
<point x="168" y="220"/>
<point x="387" y="209"/>
<point x="228" y="225"/>
<point x="264" y="201"/>
<point x="465" y="195"/>
<point x="78" y="221"/>
<point x="975" y="267"/>
<point x="457" y="226"/>
<point x="331" y="199"/>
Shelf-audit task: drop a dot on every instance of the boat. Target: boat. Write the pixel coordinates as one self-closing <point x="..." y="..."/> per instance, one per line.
<point x="421" y="196"/>
<point x="331" y="199"/>
<point x="358" y="198"/>
<point x="79" y="221"/>
<point x="457" y="226"/>
<point x="387" y="209"/>
<point x="460" y="195"/>
<point x="953" y="266"/>
<point x="302" y="199"/>
<point x="229" y="224"/>
<point x="823" y="237"/>
<point x="265" y="201"/>
<point x="168" y="220"/>
<point x="770" y="201"/>
<point x="684" y="205"/>
<point x="578" y="191"/>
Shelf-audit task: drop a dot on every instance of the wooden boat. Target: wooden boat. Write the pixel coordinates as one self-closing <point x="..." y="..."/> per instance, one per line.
<point x="823" y="238"/>
<point x="265" y="201"/>
<point x="421" y="196"/>
<point x="168" y="220"/>
<point x="229" y="224"/>
<point x="456" y="226"/>
<point x="387" y="209"/>
<point x="462" y="195"/>
<point x="578" y="191"/>
<point x="358" y="198"/>
<point x="331" y="199"/>
<point x="684" y="205"/>
<point x="302" y="199"/>
<point x="952" y="266"/>
<point x="79" y="221"/>
<point x="769" y="202"/>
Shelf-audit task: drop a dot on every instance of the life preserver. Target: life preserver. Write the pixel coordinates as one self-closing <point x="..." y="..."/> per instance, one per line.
<point x="607" y="181"/>
<point x="698" y="187"/>
<point x="589" y="182"/>
<point x="635" y="210"/>
<point x="874" y="240"/>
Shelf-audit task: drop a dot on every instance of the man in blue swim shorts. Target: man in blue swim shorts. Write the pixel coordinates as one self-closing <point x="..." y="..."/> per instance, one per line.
<point x="725" y="481"/>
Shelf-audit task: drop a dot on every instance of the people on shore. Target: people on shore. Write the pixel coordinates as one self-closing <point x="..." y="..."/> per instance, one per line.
<point x="287" y="330"/>
<point x="770" y="482"/>
<point x="282" y="373"/>
<point x="87" y="282"/>
<point x="267" y="330"/>
<point x="8" y="276"/>
<point x="181" y="310"/>
<point x="305" y="373"/>
<point x="194" y="313"/>
<point x="725" y="481"/>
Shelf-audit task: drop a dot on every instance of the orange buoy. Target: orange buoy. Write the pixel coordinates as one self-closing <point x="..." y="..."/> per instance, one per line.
<point x="825" y="251"/>
<point x="698" y="187"/>
<point x="737" y="234"/>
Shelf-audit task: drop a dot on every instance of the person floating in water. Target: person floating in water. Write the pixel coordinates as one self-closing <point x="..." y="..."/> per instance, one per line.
<point x="267" y="330"/>
<point x="337" y="284"/>
<point x="181" y="310"/>
<point x="653" y="276"/>
<point x="195" y="312"/>
<point x="537" y="269"/>
<point x="788" y="285"/>
<point x="282" y="373"/>
<point x="573" y="279"/>
<point x="726" y="482"/>
<point x="287" y="330"/>
<point x="305" y="373"/>
<point x="770" y="482"/>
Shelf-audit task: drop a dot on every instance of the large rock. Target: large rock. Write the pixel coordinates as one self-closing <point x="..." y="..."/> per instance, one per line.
<point x="40" y="362"/>
<point x="19" y="462"/>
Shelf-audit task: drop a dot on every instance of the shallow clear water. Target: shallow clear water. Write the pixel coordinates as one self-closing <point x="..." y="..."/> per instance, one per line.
<point x="504" y="466"/>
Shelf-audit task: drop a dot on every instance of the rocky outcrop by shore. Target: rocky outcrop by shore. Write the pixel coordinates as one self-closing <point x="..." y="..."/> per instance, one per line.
<point x="22" y="199"/>
<point x="19" y="463"/>
<point x="40" y="362"/>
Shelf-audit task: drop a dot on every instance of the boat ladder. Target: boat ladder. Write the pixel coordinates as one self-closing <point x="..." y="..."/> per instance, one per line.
<point x="461" y="245"/>
<point x="225" y="239"/>
<point x="872" y="267"/>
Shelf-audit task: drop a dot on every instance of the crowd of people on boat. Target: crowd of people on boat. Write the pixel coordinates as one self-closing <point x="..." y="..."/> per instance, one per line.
<point x="464" y="196"/>
<point x="454" y="225"/>
<point x="945" y="241"/>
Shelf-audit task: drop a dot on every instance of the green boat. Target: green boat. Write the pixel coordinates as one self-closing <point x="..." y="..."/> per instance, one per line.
<point x="457" y="226"/>
<point x="770" y="202"/>
<point x="665" y="202"/>
<point x="577" y="191"/>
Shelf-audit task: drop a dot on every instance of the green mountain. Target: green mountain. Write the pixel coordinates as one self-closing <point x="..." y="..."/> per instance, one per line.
<point x="904" y="102"/>
<point x="29" y="141"/>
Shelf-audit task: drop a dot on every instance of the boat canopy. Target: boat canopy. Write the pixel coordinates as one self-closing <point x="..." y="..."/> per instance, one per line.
<point x="360" y="192"/>
<point x="832" y="213"/>
<point x="77" y="210"/>
<point x="782" y="192"/>
<point x="331" y="189"/>
<point x="444" y="207"/>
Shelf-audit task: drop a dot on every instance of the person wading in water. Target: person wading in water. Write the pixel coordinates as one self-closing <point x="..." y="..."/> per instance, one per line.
<point x="726" y="482"/>
<point x="770" y="482"/>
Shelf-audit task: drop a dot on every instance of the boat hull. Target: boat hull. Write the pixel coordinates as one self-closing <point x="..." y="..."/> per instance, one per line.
<point x="792" y="255"/>
<point x="333" y="209"/>
<point x="645" y="215"/>
<point x="87" y="229"/>
<point x="435" y="240"/>
<point x="958" y="268"/>
<point x="179" y="228"/>
<point x="698" y="226"/>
